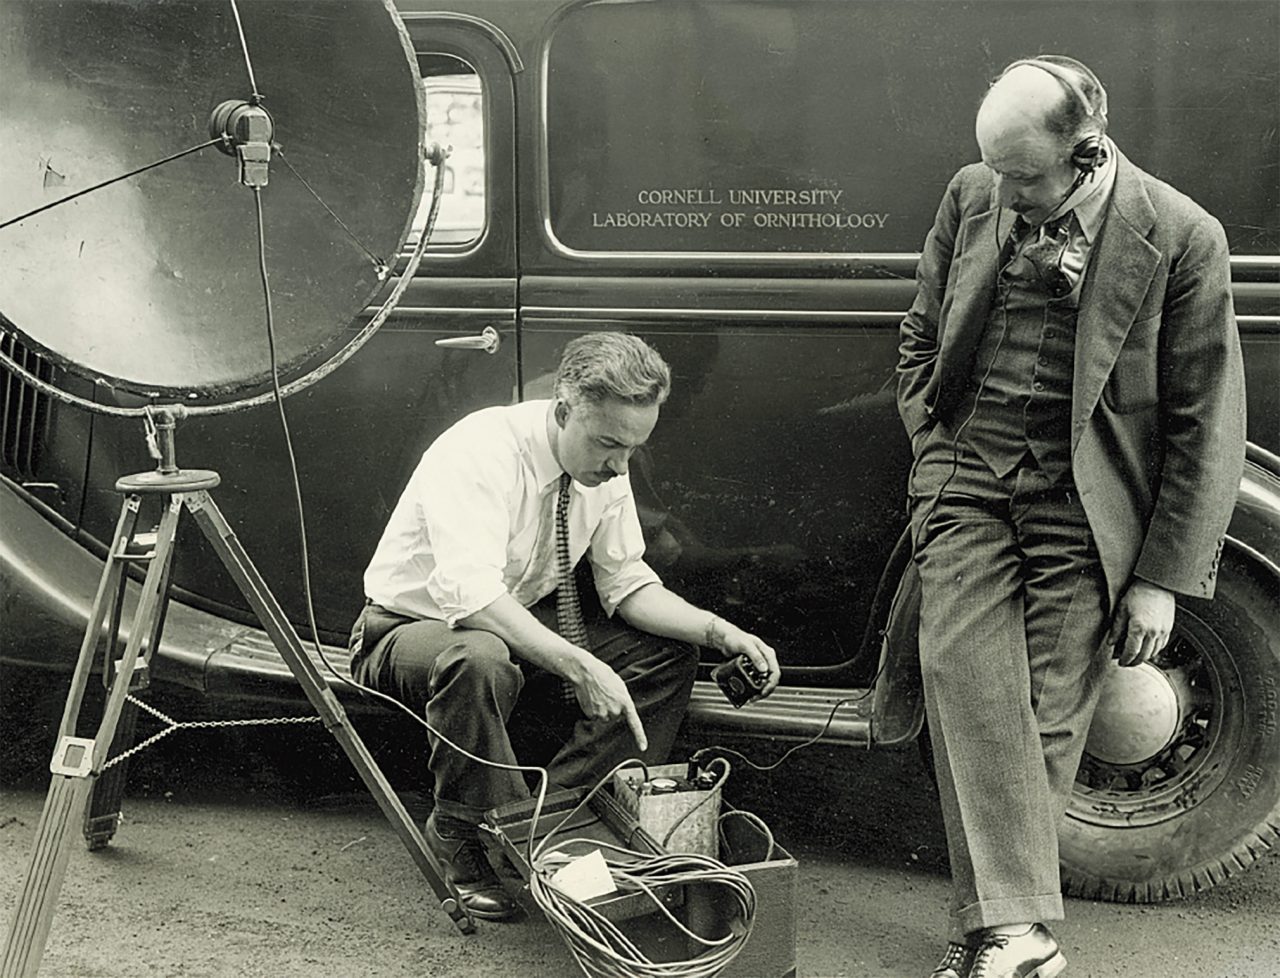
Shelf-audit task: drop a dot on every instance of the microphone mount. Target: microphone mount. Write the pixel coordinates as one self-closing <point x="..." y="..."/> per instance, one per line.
<point x="245" y="129"/>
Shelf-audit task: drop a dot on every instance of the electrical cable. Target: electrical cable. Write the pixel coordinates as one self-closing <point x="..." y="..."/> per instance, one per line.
<point x="707" y="795"/>
<point x="534" y="855"/>
<point x="701" y="752"/>
<point x="1022" y="245"/>
<point x="597" y="944"/>
<point x="277" y="396"/>
<point x="603" y="950"/>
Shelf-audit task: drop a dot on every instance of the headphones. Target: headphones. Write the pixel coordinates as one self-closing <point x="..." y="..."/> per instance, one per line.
<point x="1087" y="156"/>
<point x="1090" y="152"/>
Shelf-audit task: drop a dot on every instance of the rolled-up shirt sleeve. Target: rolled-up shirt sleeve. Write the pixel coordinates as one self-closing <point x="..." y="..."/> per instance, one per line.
<point x="617" y="554"/>
<point x="466" y="518"/>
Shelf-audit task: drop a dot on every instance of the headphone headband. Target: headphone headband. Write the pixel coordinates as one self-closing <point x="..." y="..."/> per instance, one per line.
<point x="1088" y="154"/>
<point x="1070" y="79"/>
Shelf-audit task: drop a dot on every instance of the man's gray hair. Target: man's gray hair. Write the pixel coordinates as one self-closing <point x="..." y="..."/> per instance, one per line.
<point x="1071" y="121"/>
<point x="600" y="366"/>
<point x="1082" y="110"/>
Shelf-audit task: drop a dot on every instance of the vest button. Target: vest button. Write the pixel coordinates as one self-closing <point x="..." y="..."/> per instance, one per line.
<point x="1038" y="386"/>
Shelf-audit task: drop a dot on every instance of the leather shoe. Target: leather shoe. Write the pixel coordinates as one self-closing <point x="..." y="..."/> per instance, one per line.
<point x="468" y="872"/>
<point x="957" y="962"/>
<point x="1034" y="954"/>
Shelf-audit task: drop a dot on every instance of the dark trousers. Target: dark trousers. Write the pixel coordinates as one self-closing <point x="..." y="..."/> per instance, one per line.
<point x="475" y="692"/>
<point x="1012" y="620"/>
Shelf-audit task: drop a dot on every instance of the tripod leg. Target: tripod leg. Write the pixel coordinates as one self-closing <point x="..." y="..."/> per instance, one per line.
<point x="287" y="643"/>
<point x="151" y="604"/>
<point x="104" y="812"/>
<point x="37" y="901"/>
<point x="76" y="760"/>
<point x="108" y="585"/>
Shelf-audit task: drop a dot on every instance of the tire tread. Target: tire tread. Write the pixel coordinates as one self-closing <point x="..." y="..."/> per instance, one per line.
<point x="1262" y="841"/>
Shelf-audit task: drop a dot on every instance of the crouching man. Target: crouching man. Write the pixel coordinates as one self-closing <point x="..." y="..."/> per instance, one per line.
<point x="474" y="619"/>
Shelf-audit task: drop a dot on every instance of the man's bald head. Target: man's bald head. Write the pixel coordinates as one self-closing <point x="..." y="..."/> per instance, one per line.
<point x="1052" y="92"/>
<point x="1028" y="125"/>
<point x="1021" y="103"/>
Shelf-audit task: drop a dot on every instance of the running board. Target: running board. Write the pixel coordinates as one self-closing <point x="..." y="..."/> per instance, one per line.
<point x="250" y="667"/>
<point x="246" y="667"/>
<point x="238" y="664"/>
<point x="790" y="713"/>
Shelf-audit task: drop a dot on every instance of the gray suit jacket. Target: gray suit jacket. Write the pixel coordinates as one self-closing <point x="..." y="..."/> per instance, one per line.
<point x="1157" y="413"/>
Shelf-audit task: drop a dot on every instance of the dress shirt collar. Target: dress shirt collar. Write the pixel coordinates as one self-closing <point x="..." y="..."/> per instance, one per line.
<point x="546" y="470"/>
<point x="1089" y="200"/>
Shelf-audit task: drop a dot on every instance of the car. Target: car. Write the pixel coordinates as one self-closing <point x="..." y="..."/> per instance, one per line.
<point x="746" y="185"/>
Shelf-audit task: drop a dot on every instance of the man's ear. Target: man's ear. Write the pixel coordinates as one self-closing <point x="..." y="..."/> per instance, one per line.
<point x="561" y="413"/>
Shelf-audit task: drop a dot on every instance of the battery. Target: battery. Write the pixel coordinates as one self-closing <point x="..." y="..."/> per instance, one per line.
<point x="667" y="800"/>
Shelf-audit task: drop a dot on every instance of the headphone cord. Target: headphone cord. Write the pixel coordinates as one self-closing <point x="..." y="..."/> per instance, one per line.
<point x="918" y="534"/>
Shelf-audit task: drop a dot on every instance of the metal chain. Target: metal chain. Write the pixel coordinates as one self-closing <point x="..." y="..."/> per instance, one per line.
<point x="193" y="724"/>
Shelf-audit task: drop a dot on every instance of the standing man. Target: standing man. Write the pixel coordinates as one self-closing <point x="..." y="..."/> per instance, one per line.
<point x="1070" y="378"/>
<point x="473" y="607"/>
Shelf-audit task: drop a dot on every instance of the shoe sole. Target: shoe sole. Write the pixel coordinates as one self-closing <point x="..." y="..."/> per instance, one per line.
<point x="495" y="917"/>
<point x="1055" y="966"/>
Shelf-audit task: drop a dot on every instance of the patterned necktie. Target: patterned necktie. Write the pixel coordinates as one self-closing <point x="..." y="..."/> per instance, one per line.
<point x="1045" y="251"/>
<point x="568" y="609"/>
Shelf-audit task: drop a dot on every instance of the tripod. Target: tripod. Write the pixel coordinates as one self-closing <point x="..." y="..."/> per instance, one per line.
<point x="77" y="761"/>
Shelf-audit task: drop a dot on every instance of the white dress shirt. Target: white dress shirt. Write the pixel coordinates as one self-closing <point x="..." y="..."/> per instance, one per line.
<point x="477" y="519"/>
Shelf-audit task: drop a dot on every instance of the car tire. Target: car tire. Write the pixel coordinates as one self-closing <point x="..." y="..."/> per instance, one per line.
<point x="1206" y="805"/>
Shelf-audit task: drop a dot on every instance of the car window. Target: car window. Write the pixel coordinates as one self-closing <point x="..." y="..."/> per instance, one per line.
<point x="455" y="120"/>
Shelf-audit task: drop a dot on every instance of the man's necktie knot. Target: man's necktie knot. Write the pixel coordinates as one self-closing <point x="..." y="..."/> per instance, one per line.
<point x="1049" y="230"/>
<point x="1044" y="246"/>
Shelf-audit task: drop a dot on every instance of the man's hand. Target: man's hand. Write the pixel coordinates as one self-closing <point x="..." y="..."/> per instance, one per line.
<point x="600" y="691"/>
<point x="1142" y="624"/>
<point x="733" y="641"/>
<point x="604" y="696"/>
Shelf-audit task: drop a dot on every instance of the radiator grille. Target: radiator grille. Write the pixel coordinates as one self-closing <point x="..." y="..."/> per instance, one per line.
<point x="24" y="412"/>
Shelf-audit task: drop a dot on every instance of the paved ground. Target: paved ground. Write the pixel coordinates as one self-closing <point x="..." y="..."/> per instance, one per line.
<point x="254" y="853"/>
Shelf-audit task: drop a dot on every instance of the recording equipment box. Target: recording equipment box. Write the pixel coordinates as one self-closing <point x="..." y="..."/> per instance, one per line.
<point x="676" y="804"/>
<point x="744" y="844"/>
<point x="601" y="819"/>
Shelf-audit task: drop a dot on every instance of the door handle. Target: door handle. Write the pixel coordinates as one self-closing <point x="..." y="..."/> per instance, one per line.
<point x="488" y="340"/>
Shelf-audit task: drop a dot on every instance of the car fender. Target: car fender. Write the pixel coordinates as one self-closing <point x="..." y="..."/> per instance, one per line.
<point x="1254" y="531"/>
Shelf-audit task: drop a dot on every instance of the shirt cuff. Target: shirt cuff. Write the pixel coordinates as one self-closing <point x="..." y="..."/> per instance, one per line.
<point x="459" y="604"/>
<point x="615" y="588"/>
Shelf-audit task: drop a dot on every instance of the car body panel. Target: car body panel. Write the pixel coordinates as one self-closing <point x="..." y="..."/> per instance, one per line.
<point x="773" y="489"/>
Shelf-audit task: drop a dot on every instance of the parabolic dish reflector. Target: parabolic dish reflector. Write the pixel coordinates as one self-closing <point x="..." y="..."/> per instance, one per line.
<point x="152" y="284"/>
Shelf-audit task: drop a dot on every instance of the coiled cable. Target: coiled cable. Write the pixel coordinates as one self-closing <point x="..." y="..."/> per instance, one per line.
<point x="599" y="946"/>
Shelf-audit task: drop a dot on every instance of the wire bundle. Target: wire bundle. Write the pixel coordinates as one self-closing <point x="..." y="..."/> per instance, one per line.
<point x="603" y="950"/>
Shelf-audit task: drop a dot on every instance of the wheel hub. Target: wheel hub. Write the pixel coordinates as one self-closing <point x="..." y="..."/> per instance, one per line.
<point x="1138" y="715"/>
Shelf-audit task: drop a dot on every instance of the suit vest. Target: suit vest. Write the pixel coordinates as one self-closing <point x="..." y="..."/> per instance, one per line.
<point x="1022" y="374"/>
